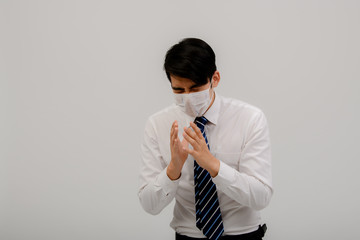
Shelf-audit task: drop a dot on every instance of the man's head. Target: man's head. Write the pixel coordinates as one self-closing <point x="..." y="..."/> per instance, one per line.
<point x="191" y="59"/>
<point x="191" y="70"/>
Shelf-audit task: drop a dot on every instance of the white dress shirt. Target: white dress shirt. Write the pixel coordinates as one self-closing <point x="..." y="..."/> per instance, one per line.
<point x="238" y="136"/>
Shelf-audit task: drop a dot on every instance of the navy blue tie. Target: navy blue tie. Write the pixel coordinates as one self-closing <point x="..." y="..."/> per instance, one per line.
<point x="208" y="215"/>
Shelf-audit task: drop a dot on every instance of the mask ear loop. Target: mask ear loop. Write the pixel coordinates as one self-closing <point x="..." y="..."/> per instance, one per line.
<point x="211" y="97"/>
<point x="211" y="87"/>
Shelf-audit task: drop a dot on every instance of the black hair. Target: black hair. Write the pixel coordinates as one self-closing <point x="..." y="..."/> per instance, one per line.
<point x="191" y="58"/>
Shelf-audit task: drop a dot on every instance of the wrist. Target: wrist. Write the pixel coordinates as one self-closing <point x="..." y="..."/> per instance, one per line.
<point x="172" y="172"/>
<point x="214" y="167"/>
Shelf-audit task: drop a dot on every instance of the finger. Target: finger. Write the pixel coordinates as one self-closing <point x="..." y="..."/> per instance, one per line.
<point x="174" y="135"/>
<point x="175" y="143"/>
<point x="176" y="127"/>
<point x="172" y="131"/>
<point x="190" y="140"/>
<point x="173" y="127"/>
<point x="174" y="124"/>
<point x="197" y="130"/>
<point x="184" y="142"/>
<point x="190" y="132"/>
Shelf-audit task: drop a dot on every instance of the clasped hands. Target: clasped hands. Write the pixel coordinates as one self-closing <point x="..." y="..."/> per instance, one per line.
<point x="180" y="150"/>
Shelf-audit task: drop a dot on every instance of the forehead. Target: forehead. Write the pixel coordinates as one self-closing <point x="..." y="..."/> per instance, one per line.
<point x="181" y="82"/>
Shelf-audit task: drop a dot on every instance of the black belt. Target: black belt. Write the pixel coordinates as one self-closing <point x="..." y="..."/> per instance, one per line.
<point x="255" y="235"/>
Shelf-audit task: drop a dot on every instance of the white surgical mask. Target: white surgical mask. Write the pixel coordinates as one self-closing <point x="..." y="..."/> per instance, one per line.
<point x="194" y="104"/>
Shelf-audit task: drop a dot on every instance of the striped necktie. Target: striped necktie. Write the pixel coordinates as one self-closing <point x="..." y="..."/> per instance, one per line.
<point x="208" y="215"/>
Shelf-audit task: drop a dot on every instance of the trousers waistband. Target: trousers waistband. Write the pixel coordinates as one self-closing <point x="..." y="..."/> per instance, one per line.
<point x="255" y="235"/>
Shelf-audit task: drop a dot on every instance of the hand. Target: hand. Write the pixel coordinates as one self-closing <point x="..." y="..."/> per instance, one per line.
<point x="200" y="150"/>
<point x="178" y="153"/>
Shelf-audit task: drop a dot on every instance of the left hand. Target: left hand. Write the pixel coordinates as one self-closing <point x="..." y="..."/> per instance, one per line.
<point x="200" y="150"/>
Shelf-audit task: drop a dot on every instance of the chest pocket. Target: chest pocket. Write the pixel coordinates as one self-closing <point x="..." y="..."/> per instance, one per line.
<point x="230" y="158"/>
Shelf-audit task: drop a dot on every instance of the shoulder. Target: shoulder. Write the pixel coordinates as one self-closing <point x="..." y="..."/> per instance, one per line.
<point x="239" y="107"/>
<point x="243" y="114"/>
<point x="163" y="118"/>
<point x="163" y="113"/>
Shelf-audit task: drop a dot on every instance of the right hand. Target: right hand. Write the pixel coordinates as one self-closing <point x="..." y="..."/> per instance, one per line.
<point x="178" y="153"/>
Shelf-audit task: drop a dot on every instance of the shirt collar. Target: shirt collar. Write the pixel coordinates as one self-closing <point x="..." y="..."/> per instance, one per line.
<point x="214" y="111"/>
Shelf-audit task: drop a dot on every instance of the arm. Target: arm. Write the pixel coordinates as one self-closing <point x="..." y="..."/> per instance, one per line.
<point x="251" y="184"/>
<point x="156" y="189"/>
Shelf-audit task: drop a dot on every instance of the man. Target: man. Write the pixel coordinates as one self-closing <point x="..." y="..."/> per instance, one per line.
<point x="211" y="153"/>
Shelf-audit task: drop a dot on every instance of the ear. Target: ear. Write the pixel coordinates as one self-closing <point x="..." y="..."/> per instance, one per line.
<point x="215" y="79"/>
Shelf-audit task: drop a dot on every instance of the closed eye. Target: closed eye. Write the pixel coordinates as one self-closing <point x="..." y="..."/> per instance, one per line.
<point x="197" y="89"/>
<point x="178" y="91"/>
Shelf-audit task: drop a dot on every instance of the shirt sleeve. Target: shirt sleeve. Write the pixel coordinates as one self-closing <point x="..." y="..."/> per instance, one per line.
<point x="156" y="189"/>
<point x="251" y="184"/>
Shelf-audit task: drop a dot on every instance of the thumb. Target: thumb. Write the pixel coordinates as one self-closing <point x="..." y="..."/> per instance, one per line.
<point x="185" y="143"/>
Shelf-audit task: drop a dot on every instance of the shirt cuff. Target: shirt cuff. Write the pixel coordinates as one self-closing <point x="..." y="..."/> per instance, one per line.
<point x="169" y="186"/>
<point x="225" y="177"/>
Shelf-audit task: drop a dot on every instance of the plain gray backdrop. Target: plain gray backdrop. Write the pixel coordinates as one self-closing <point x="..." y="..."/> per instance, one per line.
<point x="78" y="80"/>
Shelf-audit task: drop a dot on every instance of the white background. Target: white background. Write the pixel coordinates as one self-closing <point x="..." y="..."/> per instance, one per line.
<point x="78" y="80"/>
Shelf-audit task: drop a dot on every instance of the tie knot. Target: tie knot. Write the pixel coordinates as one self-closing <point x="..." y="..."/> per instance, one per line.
<point x="201" y="121"/>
